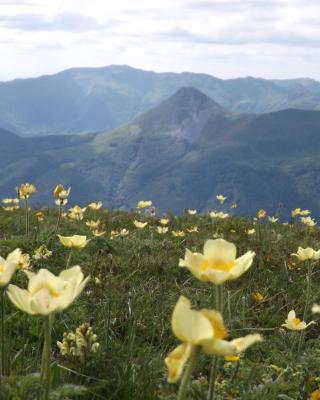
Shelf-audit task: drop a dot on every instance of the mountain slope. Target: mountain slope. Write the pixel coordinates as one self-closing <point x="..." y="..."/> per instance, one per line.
<point x="179" y="154"/>
<point x="95" y="99"/>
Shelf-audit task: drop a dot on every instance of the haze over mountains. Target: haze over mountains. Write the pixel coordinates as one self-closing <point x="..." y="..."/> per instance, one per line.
<point x="94" y="99"/>
<point x="180" y="154"/>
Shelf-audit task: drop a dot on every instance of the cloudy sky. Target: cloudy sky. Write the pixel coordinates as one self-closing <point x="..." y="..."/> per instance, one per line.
<point x="225" y="38"/>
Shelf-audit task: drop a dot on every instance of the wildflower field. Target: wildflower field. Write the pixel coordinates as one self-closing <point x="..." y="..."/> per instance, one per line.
<point x="105" y="304"/>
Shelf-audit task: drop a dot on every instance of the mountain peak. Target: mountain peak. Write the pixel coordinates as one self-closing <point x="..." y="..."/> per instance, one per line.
<point x="184" y="114"/>
<point x="193" y="100"/>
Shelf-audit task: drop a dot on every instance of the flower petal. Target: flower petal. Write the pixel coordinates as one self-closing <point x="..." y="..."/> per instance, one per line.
<point x="218" y="347"/>
<point x="244" y="342"/>
<point x="20" y="298"/>
<point x="189" y="325"/>
<point x="242" y="264"/>
<point x="176" y="361"/>
<point x="193" y="261"/>
<point x="219" y="249"/>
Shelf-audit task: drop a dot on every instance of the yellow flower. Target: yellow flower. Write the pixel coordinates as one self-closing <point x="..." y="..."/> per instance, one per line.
<point x="234" y="205"/>
<point x="204" y="328"/>
<point x="218" y="214"/>
<point x="193" y="229"/>
<point x="315" y="395"/>
<point x="11" y="208"/>
<point x="144" y="204"/>
<point x="305" y="212"/>
<point x="48" y="293"/>
<point x="218" y="262"/>
<point x="139" y="224"/>
<point x="258" y="296"/>
<point x="25" y="190"/>
<point x="232" y="358"/>
<point x="42" y="253"/>
<point x="10" y="201"/>
<point x="316" y="309"/>
<point x="164" y="221"/>
<point x="75" y="241"/>
<point x="25" y="261"/>
<point x="77" y="210"/>
<point x="97" y="233"/>
<point x="178" y="233"/>
<point x="93" y="224"/>
<point x="295" y="324"/>
<point x="114" y="234"/>
<point x="273" y="219"/>
<point x="122" y="232"/>
<point x="261" y="213"/>
<point x="8" y="266"/>
<point x="162" y="229"/>
<point x="95" y="206"/>
<point x="76" y="213"/>
<point x="221" y="198"/>
<point x="295" y="212"/>
<point x="40" y="216"/>
<point x="251" y="231"/>
<point x="307" y="254"/>
<point x="308" y="221"/>
<point x="192" y="212"/>
<point x="61" y="193"/>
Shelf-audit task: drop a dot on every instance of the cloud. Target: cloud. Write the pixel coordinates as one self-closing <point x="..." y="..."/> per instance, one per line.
<point x="66" y="21"/>
<point x="227" y="38"/>
<point x="250" y="36"/>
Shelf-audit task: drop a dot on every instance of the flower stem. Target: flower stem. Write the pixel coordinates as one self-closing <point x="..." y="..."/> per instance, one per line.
<point x="215" y="360"/>
<point x="69" y="258"/>
<point x="2" y="363"/>
<point x="187" y="375"/>
<point x="59" y="219"/>
<point x="308" y="291"/>
<point x="306" y="307"/>
<point x="213" y="375"/>
<point x="47" y="358"/>
<point x="27" y="216"/>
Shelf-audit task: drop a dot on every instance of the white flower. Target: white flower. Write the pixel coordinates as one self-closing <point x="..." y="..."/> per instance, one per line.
<point x="48" y="293"/>
<point x="218" y="263"/>
<point x="295" y="324"/>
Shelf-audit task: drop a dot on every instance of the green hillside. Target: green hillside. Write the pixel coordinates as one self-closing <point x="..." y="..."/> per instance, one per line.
<point x="95" y="99"/>
<point x="180" y="154"/>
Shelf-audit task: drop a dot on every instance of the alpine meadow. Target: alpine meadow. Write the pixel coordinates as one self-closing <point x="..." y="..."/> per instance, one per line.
<point x="159" y="200"/>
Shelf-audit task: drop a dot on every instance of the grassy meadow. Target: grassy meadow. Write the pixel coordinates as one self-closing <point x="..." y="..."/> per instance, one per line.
<point x="134" y="286"/>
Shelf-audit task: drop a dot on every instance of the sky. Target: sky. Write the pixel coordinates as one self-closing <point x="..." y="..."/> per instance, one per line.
<point x="224" y="38"/>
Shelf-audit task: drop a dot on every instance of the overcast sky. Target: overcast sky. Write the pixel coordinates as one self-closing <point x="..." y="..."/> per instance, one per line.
<point x="225" y="38"/>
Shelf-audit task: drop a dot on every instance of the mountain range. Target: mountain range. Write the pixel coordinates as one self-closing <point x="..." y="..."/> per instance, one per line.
<point x="180" y="154"/>
<point x="95" y="99"/>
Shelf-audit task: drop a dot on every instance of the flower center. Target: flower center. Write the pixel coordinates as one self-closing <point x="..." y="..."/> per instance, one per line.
<point x="1" y="268"/>
<point x="217" y="264"/>
<point x="296" y="321"/>
<point x="53" y="292"/>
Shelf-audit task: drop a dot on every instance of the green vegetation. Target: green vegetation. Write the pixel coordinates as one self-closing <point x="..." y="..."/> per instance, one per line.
<point x="135" y="284"/>
<point x="83" y="100"/>
<point x="180" y="153"/>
